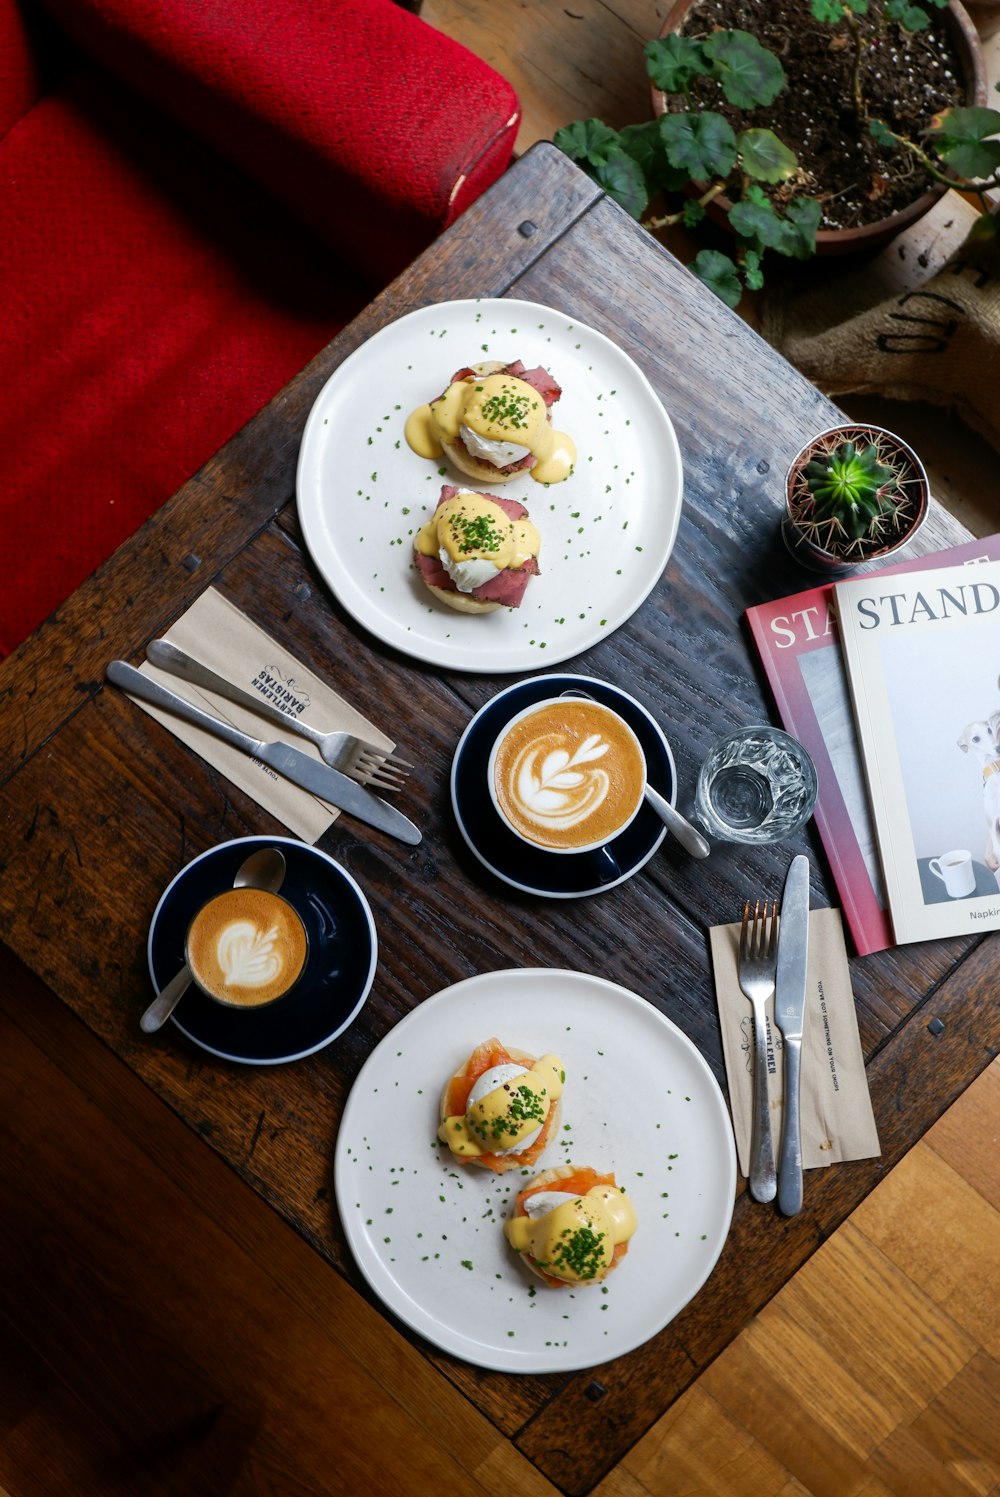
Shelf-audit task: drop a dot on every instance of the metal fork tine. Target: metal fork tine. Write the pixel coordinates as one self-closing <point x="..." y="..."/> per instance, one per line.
<point x="375" y="761"/>
<point x="381" y="781"/>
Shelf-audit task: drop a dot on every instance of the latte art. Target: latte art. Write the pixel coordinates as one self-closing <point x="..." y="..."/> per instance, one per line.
<point x="248" y="957"/>
<point x="246" y="947"/>
<point x="557" y="786"/>
<point x="568" y="774"/>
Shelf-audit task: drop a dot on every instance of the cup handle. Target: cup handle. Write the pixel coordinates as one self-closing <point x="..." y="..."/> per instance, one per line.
<point x="935" y="866"/>
<point x="607" y="870"/>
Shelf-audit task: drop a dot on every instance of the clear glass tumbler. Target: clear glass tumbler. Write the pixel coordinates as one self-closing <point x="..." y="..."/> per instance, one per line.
<point x="757" y="784"/>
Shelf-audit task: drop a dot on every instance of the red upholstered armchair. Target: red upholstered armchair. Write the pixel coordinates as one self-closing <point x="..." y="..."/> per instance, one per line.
<point x="195" y="195"/>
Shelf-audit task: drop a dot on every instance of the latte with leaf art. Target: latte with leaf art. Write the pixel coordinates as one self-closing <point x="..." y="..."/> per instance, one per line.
<point x="567" y="774"/>
<point x="246" y="947"/>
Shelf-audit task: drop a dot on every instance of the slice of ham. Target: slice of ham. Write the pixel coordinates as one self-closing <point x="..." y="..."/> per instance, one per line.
<point x="538" y="378"/>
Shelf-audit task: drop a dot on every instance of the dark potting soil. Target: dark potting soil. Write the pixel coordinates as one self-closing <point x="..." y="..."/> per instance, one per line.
<point x="907" y="78"/>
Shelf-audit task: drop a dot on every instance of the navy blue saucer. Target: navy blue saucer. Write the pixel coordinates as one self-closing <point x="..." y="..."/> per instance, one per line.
<point x="339" y="973"/>
<point x="530" y="869"/>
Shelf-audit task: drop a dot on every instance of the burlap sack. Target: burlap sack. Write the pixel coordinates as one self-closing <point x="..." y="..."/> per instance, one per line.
<point x="937" y="342"/>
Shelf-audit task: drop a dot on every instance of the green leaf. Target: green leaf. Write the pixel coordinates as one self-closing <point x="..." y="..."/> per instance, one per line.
<point x="959" y="138"/>
<point x="703" y="145"/>
<point x="719" y="274"/>
<point x="622" y="179"/>
<point x="693" y="213"/>
<point x="985" y="230"/>
<point x="803" y="217"/>
<point x="828" y="12"/>
<point x="749" y="73"/>
<point x="644" y="144"/>
<point x="754" y="218"/>
<point x="673" y="62"/>
<point x="587" y="141"/>
<point x="764" y="156"/>
<point x="882" y="133"/>
<point x="753" y="275"/>
<point x="910" y="17"/>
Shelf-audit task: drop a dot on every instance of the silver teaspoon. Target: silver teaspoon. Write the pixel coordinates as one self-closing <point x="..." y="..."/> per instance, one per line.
<point x="264" y="869"/>
<point x="688" y="836"/>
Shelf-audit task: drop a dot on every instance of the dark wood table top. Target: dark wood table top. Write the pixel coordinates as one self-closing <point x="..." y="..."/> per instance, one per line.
<point x="101" y="806"/>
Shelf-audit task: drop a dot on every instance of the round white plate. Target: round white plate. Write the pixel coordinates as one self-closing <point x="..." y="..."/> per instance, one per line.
<point x="607" y="531"/>
<point x="427" y="1234"/>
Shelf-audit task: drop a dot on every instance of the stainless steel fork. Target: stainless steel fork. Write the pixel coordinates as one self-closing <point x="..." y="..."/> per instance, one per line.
<point x="757" y="966"/>
<point x="364" y="762"/>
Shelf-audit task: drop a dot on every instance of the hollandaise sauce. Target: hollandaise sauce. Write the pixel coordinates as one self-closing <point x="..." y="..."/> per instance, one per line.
<point x="475" y="539"/>
<point x="499" y="419"/>
<point x="507" y="1109"/>
<point x="573" y="1238"/>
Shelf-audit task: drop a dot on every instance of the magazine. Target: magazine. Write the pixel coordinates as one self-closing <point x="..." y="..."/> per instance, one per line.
<point x="922" y="652"/>
<point x="796" y="638"/>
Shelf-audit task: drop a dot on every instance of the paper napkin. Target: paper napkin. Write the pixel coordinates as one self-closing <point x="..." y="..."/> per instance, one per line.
<point x="836" y="1110"/>
<point x="217" y="633"/>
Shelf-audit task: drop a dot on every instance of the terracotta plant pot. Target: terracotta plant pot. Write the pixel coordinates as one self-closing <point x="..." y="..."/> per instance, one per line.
<point x="965" y="40"/>
<point x="914" y="477"/>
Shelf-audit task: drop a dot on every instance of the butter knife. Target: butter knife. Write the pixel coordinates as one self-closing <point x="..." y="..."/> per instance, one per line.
<point x="789" y="1010"/>
<point x="319" y="779"/>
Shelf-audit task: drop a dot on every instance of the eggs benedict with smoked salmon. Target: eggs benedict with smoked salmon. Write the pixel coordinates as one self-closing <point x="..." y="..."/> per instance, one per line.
<point x="494" y="422"/>
<point x="477" y="552"/>
<point x="501" y="1109"/>
<point x="571" y="1225"/>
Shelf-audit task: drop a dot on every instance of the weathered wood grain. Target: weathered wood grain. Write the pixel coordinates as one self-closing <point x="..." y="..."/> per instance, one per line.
<point x="101" y="805"/>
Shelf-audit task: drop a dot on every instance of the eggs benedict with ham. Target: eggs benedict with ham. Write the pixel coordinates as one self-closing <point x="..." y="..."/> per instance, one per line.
<point x="501" y="1109"/>
<point x="494" y="422"/>
<point x="571" y="1225"/>
<point x="477" y="552"/>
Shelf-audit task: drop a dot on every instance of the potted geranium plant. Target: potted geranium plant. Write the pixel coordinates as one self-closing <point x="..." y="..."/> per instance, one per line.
<point x="853" y="494"/>
<point x="725" y="103"/>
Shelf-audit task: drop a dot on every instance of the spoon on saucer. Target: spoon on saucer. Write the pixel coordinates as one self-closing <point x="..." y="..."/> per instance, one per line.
<point x="688" y="836"/>
<point x="264" y="869"/>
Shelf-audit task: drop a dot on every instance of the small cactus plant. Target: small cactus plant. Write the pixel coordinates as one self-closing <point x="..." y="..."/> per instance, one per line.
<point x="852" y="486"/>
<point x="853" y="493"/>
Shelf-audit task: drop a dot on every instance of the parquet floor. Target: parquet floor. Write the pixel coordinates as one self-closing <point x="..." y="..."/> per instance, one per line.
<point x="163" y="1333"/>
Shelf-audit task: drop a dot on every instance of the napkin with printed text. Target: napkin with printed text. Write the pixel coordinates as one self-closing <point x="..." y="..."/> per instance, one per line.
<point x="836" y="1110"/>
<point x="215" y="632"/>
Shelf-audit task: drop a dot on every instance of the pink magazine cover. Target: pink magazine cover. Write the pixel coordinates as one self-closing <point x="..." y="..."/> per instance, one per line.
<point x="796" y="638"/>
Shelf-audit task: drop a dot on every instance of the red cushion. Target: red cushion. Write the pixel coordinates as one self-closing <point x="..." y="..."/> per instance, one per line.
<point x="156" y="293"/>
<point x="154" y="301"/>
<point x="376" y="129"/>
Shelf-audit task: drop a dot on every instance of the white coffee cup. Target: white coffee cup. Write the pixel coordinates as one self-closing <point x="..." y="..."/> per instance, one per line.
<point x="567" y="774"/>
<point x="955" y="871"/>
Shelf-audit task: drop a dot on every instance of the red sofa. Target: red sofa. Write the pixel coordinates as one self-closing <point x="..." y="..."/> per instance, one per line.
<point x="195" y="195"/>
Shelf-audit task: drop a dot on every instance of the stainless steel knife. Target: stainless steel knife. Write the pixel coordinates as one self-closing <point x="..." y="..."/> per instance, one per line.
<point x="789" y="1009"/>
<point x="320" y="779"/>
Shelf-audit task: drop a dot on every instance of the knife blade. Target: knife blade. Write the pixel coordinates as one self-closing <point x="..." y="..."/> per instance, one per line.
<point x="789" y="1013"/>
<point x="319" y="779"/>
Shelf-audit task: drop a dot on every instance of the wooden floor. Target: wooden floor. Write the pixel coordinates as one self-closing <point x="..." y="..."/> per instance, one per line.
<point x="162" y="1333"/>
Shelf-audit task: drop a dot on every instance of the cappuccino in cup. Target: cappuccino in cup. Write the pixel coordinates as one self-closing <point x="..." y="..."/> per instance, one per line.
<point x="246" y="947"/>
<point x="567" y="775"/>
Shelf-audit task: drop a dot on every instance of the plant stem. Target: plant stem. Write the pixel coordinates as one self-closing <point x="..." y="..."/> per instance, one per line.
<point x="961" y="184"/>
<point x="669" y="219"/>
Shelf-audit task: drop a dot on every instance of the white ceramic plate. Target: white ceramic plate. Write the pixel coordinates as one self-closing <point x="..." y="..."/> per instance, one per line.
<point x="607" y="531"/>
<point x="427" y="1233"/>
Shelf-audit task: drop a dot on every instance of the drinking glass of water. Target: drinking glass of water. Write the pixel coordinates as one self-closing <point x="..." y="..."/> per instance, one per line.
<point x="756" y="785"/>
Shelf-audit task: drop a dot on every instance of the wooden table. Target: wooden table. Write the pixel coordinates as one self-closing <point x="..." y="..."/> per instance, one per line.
<point x="101" y="806"/>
